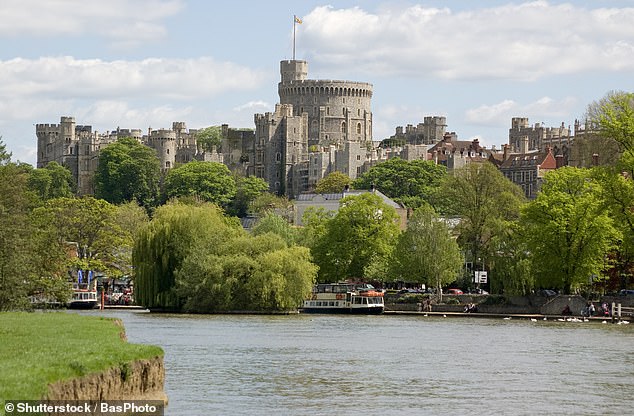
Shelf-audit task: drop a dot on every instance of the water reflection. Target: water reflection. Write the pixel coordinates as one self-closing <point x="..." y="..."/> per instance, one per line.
<point x="344" y="365"/>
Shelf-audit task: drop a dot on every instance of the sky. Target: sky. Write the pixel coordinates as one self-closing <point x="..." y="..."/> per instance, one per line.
<point x="147" y="63"/>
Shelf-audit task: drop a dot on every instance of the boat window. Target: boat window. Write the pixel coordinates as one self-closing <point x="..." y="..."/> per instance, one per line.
<point x="332" y="304"/>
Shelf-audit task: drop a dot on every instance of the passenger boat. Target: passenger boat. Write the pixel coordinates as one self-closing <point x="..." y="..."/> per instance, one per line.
<point x="84" y="293"/>
<point x="344" y="298"/>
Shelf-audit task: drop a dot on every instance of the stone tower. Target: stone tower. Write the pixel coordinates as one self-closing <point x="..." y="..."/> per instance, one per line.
<point x="338" y="111"/>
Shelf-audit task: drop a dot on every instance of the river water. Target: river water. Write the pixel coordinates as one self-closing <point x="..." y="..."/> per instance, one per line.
<point x="388" y="365"/>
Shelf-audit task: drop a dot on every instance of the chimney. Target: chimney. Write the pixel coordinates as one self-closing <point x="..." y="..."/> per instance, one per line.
<point x="559" y="160"/>
<point x="524" y="145"/>
<point x="506" y="152"/>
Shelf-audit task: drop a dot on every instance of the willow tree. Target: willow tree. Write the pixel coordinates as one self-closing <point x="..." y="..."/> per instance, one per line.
<point x="426" y="252"/>
<point x="163" y="244"/>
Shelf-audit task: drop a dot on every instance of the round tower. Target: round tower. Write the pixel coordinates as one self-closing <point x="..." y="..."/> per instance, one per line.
<point x="338" y="111"/>
<point x="163" y="141"/>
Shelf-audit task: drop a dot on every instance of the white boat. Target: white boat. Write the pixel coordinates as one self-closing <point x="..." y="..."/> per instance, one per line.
<point x="84" y="295"/>
<point x="344" y="298"/>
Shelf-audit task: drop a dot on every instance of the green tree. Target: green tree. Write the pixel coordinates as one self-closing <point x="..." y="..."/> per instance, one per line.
<point x="333" y="183"/>
<point x="247" y="190"/>
<point x="613" y="117"/>
<point x="409" y="183"/>
<point x="362" y="234"/>
<point x="617" y="194"/>
<point x="485" y="202"/>
<point x="511" y="262"/>
<point x="89" y="222"/>
<point x="175" y="232"/>
<point x="5" y="155"/>
<point x="31" y="263"/>
<point x="207" y="181"/>
<point x="209" y="137"/>
<point x="268" y="202"/>
<point x="128" y="171"/>
<point x="273" y="223"/>
<point x="52" y="181"/>
<point x="569" y="234"/>
<point x="426" y="252"/>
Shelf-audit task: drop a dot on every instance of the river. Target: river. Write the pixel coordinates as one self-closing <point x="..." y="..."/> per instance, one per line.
<point x="387" y="365"/>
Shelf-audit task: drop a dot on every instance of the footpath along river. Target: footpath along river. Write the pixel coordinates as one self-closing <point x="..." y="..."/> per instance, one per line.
<point x="386" y="365"/>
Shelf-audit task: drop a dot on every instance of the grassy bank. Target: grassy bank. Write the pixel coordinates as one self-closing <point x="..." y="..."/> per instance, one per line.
<point x="40" y="348"/>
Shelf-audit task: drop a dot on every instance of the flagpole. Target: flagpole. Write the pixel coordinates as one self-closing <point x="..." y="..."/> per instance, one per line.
<point x="294" y="24"/>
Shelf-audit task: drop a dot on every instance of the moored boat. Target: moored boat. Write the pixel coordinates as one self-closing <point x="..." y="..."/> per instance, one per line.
<point x="84" y="293"/>
<point x="344" y="298"/>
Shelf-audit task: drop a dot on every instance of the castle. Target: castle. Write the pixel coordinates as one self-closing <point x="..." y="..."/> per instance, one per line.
<point x="318" y="127"/>
<point x="323" y="126"/>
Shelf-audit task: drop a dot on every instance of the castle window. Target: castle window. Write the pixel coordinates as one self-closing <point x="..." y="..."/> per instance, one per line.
<point x="343" y="127"/>
<point x="327" y="111"/>
<point x="359" y="112"/>
<point x="343" y="111"/>
<point x="358" y="157"/>
<point x="358" y="128"/>
<point x="167" y="151"/>
<point x="278" y="157"/>
<point x="168" y="165"/>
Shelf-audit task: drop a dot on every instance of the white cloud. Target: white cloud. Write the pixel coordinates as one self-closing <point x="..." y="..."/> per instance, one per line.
<point x="122" y="21"/>
<point x="502" y="112"/>
<point x="183" y="79"/>
<point x="524" y="41"/>
<point x="254" y="106"/>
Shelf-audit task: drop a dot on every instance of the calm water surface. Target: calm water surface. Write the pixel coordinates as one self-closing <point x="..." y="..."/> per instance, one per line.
<point x="387" y="365"/>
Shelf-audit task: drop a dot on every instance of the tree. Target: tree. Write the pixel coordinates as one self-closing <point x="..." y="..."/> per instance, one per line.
<point x="273" y="223"/>
<point x="485" y="202"/>
<point x="5" y="156"/>
<point x="613" y="117"/>
<point x="410" y="183"/>
<point x="617" y="194"/>
<point x="31" y="263"/>
<point x="209" y="137"/>
<point x="246" y="273"/>
<point x="333" y="183"/>
<point x="568" y="232"/>
<point x="52" y="181"/>
<point x="248" y="189"/>
<point x="426" y="252"/>
<point x="363" y="232"/>
<point x="176" y="232"/>
<point x="91" y="224"/>
<point x="208" y="181"/>
<point x="268" y="202"/>
<point x="128" y="171"/>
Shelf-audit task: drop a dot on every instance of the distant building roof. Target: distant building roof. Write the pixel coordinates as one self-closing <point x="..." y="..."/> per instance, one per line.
<point x="313" y="197"/>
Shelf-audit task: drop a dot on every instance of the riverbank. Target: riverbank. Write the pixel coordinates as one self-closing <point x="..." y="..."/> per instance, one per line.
<point x="61" y="356"/>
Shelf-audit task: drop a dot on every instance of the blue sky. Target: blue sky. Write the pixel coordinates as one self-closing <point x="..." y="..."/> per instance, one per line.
<point x="147" y="63"/>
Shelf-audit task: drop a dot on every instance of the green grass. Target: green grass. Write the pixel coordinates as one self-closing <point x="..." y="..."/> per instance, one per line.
<point x="41" y="348"/>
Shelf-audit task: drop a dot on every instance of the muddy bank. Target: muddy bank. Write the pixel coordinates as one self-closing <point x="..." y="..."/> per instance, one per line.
<point x="137" y="380"/>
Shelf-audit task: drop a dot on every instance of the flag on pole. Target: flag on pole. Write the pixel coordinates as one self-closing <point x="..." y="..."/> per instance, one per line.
<point x="298" y="20"/>
<point x="79" y="276"/>
<point x="89" y="276"/>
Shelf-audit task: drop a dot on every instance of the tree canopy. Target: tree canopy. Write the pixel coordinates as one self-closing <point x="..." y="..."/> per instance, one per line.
<point x="568" y="231"/>
<point x="359" y="238"/>
<point x="485" y="202"/>
<point x="52" y="181"/>
<point x="409" y="183"/>
<point x="613" y="117"/>
<point x="128" y="171"/>
<point x="333" y="183"/>
<point x="207" y="181"/>
<point x="209" y="137"/>
<point x="426" y="252"/>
